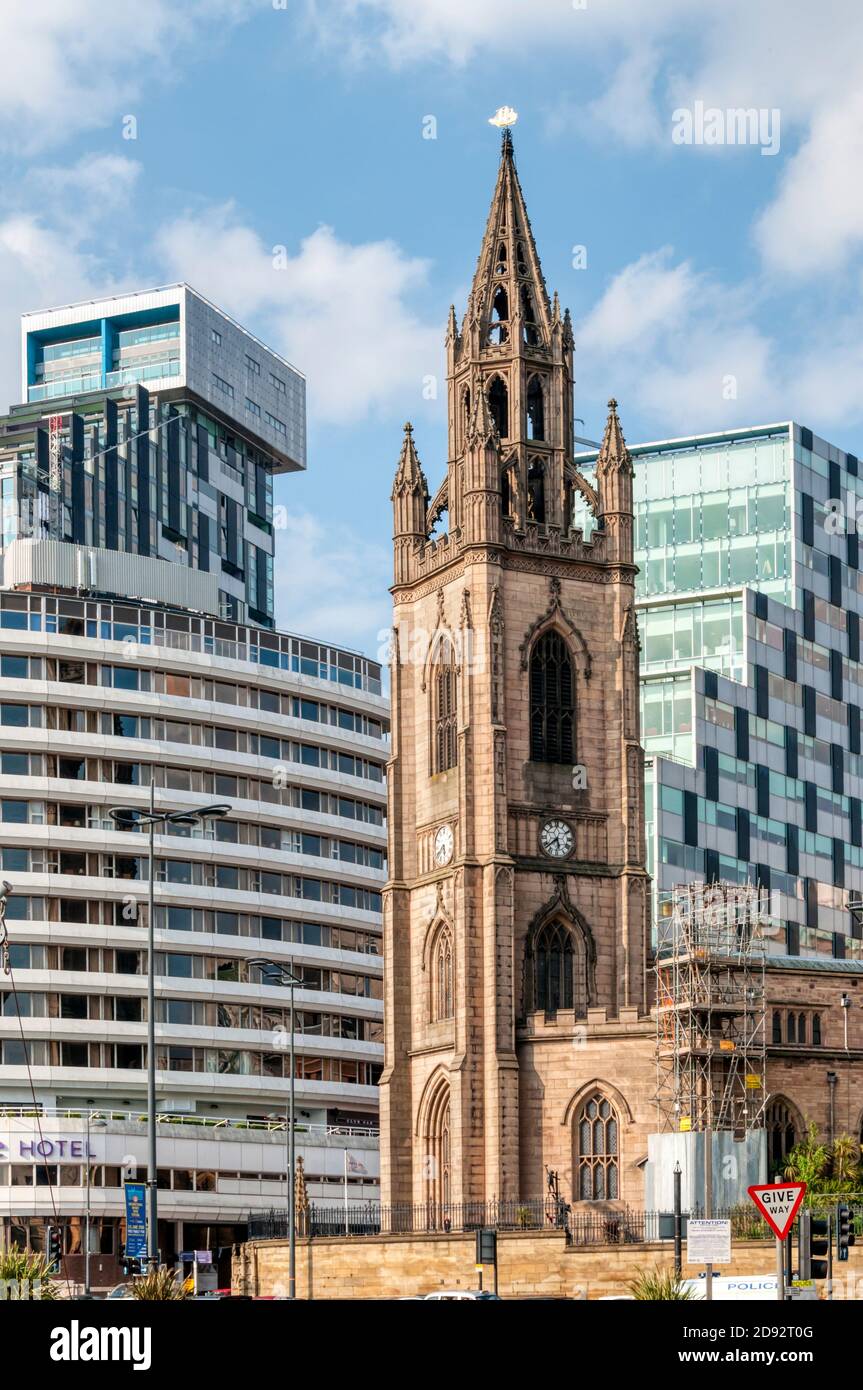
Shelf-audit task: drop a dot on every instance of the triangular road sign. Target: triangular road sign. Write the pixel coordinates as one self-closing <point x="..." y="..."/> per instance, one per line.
<point x="778" y="1203"/>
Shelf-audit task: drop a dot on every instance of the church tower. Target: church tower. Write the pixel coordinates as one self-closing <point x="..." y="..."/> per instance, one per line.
<point x="515" y="916"/>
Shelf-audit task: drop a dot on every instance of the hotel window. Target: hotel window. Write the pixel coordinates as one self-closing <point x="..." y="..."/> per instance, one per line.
<point x="253" y="408"/>
<point x="253" y="367"/>
<point x="216" y="336"/>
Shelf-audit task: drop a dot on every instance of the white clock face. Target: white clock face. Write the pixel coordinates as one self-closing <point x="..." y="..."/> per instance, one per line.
<point x="444" y="843"/>
<point x="556" y="839"/>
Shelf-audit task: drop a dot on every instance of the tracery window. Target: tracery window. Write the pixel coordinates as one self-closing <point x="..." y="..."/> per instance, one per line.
<point x="442" y="975"/>
<point x="597" y="1150"/>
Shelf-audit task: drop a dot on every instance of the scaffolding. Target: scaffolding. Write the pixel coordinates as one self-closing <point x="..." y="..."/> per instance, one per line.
<point x="711" y="1032"/>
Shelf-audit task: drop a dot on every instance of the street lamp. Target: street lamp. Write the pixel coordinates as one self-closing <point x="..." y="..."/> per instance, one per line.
<point x="287" y="977"/>
<point x="131" y="818"/>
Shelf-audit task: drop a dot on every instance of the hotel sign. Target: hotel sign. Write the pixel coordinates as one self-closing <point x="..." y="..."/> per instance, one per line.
<point x="55" y="1148"/>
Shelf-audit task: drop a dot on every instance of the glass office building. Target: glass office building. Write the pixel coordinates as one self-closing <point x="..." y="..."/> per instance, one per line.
<point x="749" y="600"/>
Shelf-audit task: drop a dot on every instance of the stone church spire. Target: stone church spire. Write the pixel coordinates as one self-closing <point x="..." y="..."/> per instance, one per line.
<point x="515" y="349"/>
<point x="515" y="913"/>
<point x="508" y="283"/>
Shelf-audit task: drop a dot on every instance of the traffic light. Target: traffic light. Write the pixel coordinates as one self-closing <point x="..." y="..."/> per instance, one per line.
<point x="55" y="1246"/>
<point x="812" y="1246"/>
<point x="844" y="1231"/>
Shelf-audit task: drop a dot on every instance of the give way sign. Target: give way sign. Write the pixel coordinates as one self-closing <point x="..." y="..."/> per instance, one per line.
<point x="778" y="1203"/>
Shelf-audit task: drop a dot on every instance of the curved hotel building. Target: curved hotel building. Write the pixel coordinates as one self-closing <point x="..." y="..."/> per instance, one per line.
<point x="139" y="654"/>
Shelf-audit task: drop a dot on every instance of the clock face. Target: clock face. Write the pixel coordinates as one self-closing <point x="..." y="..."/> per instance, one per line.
<point x="444" y="843"/>
<point x="556" y="839"/>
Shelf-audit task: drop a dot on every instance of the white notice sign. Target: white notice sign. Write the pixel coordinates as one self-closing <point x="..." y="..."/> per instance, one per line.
<point x="708" y="1241"/>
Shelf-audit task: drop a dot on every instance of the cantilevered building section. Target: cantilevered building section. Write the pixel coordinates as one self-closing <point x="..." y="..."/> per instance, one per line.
<point x="152" y="428"/>
<point x="750" y="597"/>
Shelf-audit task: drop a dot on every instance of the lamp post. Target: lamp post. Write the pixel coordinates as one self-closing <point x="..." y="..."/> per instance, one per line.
<point x="131" y="818"/>
<point x="286" y="976"/>
<point x="845" y="1001"/>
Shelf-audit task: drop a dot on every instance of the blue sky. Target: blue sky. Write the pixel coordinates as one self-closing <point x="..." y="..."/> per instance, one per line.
<point x="721" y="285"/>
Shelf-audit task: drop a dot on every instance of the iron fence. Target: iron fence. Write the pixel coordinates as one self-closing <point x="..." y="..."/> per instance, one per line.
<point x="582" y="1225"/>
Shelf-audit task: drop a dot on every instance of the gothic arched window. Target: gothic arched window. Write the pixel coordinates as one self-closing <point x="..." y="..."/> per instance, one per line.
<point x="536" y="491"/>
<point x="444" y="709"/>
<point x="816" y="1030"/>
<point x="498" y="404"/>
<point x="436" y="1156"/>
<point x="801" y="1028"/>
<point x="442" y="975"/>
<point x="781" y="1133"/>
<point x="499" y="328"/>
<point x="791" y="1028"/>
<point x="597" y="1152"/>
<point x="777" y="1027"/>
<point x="552" y="701"/>
<point x="500" y="263"/>
<point x="535" y="409"/>
<point x="553" y="968"/>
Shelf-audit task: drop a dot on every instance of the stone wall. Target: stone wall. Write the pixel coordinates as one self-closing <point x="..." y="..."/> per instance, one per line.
<point x="530" y="1264"/>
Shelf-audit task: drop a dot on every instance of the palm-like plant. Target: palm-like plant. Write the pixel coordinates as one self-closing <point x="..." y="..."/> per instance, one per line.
<point x="660" y="1285"/>
<point x="25" y="1275"/>
<point x="832" y="1169"/>
<point x="160" y="1285"/>
<point x="845" y="1160"/>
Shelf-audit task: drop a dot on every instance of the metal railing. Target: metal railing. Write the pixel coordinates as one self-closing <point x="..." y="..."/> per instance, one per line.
<point x="582" y="1224"/>
<point x="167" y="1117"/>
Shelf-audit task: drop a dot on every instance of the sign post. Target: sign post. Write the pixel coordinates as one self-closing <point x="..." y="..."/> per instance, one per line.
<point x="779" y="1203"/>
<point x="136" y="1221"/>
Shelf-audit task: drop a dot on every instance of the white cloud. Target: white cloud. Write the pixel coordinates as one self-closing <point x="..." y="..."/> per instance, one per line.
<point x="332" y="582"/>
<point x="804" y="60"/>
<point x="456" y="32"/>
<point x="815" y="222"/>
<point x="72" y="65"/>
<point x="627" y="107"/>
<point x="48" y="257"/>
<point x="646" y="298"/>
<point x="341" y="311"/>
<point x="685" y="354"/>
<point x="676" y="347"/>
<point x="82" y="194"/>
<point x="39" y="266"/>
